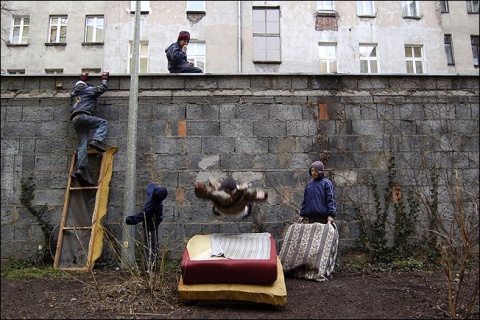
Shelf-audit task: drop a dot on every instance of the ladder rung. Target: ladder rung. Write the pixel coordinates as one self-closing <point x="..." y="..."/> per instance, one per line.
<point x="93" y="151"/>
<point x="84" y="188"/>
<point x="77" y="228"/>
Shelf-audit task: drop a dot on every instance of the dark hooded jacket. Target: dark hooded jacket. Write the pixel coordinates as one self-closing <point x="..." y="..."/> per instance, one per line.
<point x="319" y="196"/>
<point x="177" y="59"/>
<point x="152" y="213"/>
<point x="83" y="98"/>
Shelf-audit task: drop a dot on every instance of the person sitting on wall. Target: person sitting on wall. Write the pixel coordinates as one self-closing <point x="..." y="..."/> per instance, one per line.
<point x="228" y="198"/>
<point x="177" y="55"/>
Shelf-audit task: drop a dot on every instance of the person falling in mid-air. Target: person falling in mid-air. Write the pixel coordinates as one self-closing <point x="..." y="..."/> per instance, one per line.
<point x="228" y="198"/>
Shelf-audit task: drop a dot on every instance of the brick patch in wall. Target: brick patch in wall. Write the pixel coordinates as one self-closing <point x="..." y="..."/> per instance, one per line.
<point x="287" y="195"/>
<point x="179" y="196"/>
<point x="182" y="128"/>
<point x="322" y="111"/>
<point x="326" y="23"/>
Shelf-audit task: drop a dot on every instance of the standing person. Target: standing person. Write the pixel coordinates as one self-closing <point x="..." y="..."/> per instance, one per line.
<point x="84" y="104"/>
<point x="318" y="203"/>
<point x="228" y="198"/>
<point x="151" y="217"/>
<point x="177" y="55"/>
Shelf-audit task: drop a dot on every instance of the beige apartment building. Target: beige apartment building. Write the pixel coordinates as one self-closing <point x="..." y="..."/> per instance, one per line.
<point x="248" y="37"/>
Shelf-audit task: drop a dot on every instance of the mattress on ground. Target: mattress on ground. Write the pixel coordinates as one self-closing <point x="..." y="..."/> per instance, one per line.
<point x="309" y="250"/>
<point x="273" y="294"/>
<point x="244" y="258"/>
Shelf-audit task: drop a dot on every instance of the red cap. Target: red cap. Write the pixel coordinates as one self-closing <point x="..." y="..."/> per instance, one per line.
<point x="184" y="35"/>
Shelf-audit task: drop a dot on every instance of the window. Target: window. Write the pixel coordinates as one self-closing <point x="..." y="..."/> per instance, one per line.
<point x="328" y="57"/>
<point x="196" y="6"/>
<point x="16" y="71"/>
<point x="58" y="29"/>
<point x="368" y="58"/>
<point x="444" y="7"/>
<point x="143" y="57"/>
<point x="92" y="71"/>
<point x="144" y="6"/>
<point x="410" y="9"/>
<point x="447" y="40"/>
<point x="94" y="29"/>
<point x="325" y="6"/>
<point x="414" y="58"/>
<point x="474" y="40"/>
<point x="365" y="8"/>
<point x="266" y="35"/>
<point x="472" y="6"/>
<point x="196" y="54"/>
<point x="54" y="71"/>
<point x="20" y="28"/>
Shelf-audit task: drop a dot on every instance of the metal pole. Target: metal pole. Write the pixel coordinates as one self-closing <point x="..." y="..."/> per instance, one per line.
<point x="239" y="37"/>
<point x="128" y="234"/>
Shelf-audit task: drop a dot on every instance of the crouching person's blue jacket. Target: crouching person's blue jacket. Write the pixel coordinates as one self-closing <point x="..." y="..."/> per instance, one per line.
<point x="152" y="213"/>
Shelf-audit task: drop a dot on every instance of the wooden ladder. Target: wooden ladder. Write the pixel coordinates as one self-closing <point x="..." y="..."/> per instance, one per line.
<point x="80" y="235"/>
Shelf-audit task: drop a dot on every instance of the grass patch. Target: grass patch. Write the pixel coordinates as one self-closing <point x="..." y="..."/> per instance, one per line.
<point x="25" y="269"/>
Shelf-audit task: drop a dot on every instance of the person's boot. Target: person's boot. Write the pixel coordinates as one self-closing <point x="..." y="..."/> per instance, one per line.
<point x="83" y="177"/>
<point x="98" y="145"/>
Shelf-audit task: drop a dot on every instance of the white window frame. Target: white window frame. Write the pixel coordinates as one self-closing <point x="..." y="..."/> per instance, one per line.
<point x="475" y="50"/>
<point x="327" y="53"/>
<point x="325" y="5"/>
<point x="60" y="32"/>
<point x="195" y="6"/>
<point x="144" y="7"/>
<point x="366" y="8"/>
<point x="54" y="71"/>
<point x="92" y="71"/>
<point x="448" y="44"/>
<point x="444" y="7"/>
<point x="266" y="35"/>
<point x="365" y="52"/>
<point x="94" y="28"/>
<point x="143" y="60"/>
<point x="410" y="9"/>
<point x="15" y="71"/>
<point x="196" y="54"/>
<point x="20" y="30"/>
<point x="472" y="6"/>
<point x="414" y="59"/>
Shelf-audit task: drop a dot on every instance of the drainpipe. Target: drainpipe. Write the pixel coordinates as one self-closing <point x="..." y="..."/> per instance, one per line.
<point x="239" y="14"/>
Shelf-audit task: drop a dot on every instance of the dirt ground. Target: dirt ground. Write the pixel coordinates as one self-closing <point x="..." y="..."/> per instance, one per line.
<point x="109" y="294"/>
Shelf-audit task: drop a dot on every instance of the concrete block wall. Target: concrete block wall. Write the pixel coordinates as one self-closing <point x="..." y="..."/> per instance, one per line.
<point x="264" y="129"/>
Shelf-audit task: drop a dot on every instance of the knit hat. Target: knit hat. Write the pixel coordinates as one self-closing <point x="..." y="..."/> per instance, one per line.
<point x="318" y="165"/>
<point x="184" y="35"/>
<point x="80" y="83"/>
<point x="228" y="184"/>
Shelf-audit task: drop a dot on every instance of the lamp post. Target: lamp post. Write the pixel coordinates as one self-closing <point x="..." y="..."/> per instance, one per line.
<point x="128" y="233"/>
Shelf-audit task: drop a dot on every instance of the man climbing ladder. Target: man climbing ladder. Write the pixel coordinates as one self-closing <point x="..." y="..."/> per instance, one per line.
<point x="84" y="104"/>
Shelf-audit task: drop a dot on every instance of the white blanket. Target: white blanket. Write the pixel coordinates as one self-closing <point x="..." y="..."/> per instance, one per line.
<point x="241" y="245"/>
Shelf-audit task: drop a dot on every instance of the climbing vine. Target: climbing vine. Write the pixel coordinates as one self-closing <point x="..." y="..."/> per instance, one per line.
<point x="26" y="197"/>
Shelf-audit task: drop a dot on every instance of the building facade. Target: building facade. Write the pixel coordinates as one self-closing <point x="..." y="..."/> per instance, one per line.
<point x="250" y="37"/>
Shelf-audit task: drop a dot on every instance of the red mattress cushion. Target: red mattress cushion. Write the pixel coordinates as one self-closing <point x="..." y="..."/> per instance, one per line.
<point x="240" y="271"/>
